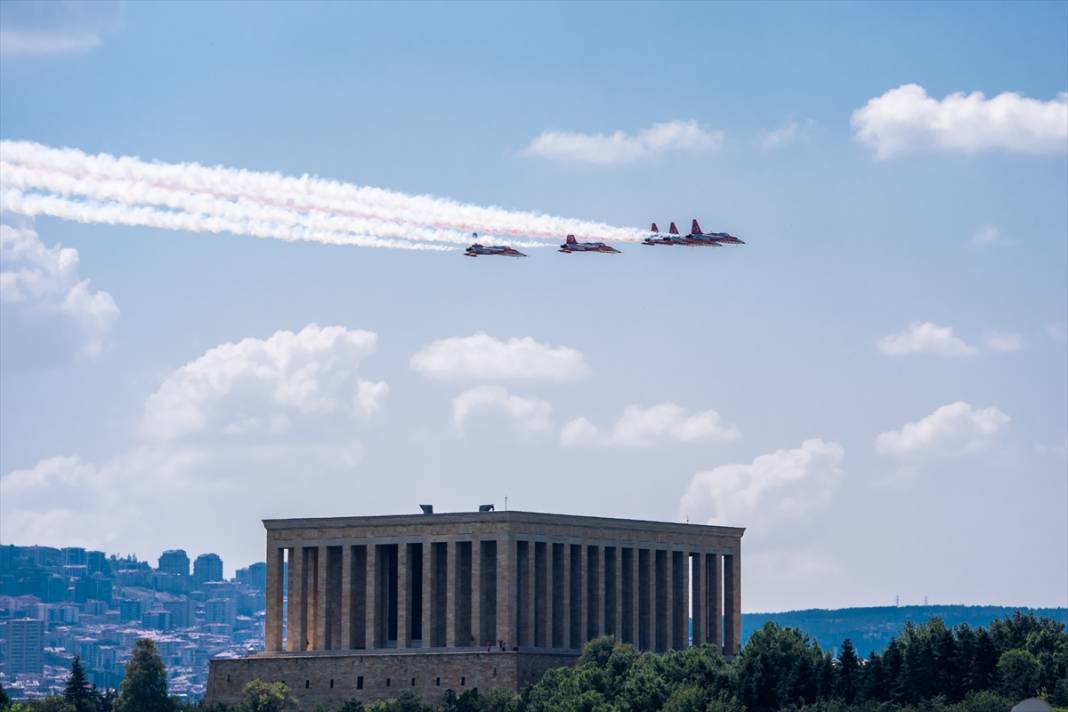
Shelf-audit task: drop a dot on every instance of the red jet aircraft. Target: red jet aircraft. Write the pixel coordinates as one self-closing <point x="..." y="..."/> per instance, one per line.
<point x="573" y="245"/>
<point x="493" y="251"/>
<point x="714" y="238"/>
<point x="672" y="238"/>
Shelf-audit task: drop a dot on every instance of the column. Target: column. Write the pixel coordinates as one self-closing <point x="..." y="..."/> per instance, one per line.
<point x="669" y="599"/>
<point x="428" y="594"/>
<point x="452" y="591"/>
<point x="655" y="593"/>
<point x="732" y="603"/>
<point x="529" y="609"/>
<point x="346" y="597"/>
<point x="373" y="627"/>
<point x="700" y="599"/>
<point x="295" y="621"/>
<point x="683" y="605"/>
<point x="714" y="576"/>
<point x="404" y="597"/>
<point x="272" y="625"/>
<point x="616" y="625"/>
<point x="550" y="593"/>
<point x="506" y="592"/>
<point x="635" y="605"/>
<point x="599" y="606"/>
<point x="583" y="595"/>
<point x="565" y="597"/>
<point x="319" y="597"/>
<point x="476" y="591"/>
<point x="648" y="573"/>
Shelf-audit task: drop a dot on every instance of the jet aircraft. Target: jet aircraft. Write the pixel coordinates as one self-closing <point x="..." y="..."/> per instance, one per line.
<point x="495" y="250"/>
<point x="573" y="245"/>
<point x="672" y="238"/>
<point x="714" y="238"/>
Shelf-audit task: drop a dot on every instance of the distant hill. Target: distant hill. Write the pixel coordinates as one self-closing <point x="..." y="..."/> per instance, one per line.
<point x="871" y="628"/>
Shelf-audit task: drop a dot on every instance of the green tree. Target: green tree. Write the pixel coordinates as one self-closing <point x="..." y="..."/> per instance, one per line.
<point x="1020" y="673"/>
<point x="983" y="674"/>
<point x="5" y="701"/>
<point x="78" y="692"/>
<point x="260" y="696"/>
<point x="353" y="705"/>
<point x="847" y="676"/>
<point x="144" y="686"/>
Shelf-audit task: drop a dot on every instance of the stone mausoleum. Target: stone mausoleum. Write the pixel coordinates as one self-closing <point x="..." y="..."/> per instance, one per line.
<point x="371" y="607"/>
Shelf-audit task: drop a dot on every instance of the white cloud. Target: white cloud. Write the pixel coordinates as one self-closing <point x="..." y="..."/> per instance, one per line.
<point x="487" y="358"/>
<point x="1057" y="332"/>
<point x="950" y="431"/>
<point x="16" y="42"/>
<point x="620" y="147"/>
<point x="579" y="431"/>
<point x="986" y="235"/>
<point x="925" y="338"/>
<point x="258" y="384"/>
<point x="998" y="341"/>
<point x="528" y="414"/>
<point x="906" y="119"/>
<point x="644" y="427"/>
<point x="370" y="395"/>
<point x="41" y="282"/>
<point x="779" y="487"/>
<point x="791" y="132"/>
<point x="235" y="435"/>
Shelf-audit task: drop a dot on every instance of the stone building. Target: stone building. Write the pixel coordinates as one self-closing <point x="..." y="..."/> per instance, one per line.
<point x="370" y="607"/>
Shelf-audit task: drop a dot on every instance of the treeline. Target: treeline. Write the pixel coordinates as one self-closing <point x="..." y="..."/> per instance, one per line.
<point x="929" y="668"/>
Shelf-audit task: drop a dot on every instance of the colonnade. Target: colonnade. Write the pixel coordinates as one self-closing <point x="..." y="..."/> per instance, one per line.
<point x="510" y="592"/>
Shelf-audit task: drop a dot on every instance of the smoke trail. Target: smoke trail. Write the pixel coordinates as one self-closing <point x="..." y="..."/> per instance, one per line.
<point x="422" y="218"/>
<point x="31" y="205"/>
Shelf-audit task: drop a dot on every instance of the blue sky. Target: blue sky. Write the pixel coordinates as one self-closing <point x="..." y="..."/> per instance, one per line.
<point x="780" y="338"/>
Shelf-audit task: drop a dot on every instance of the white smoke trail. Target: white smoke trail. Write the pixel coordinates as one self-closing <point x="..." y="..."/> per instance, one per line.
<point x="19" y="177"/>
<point x="443" y="218"/>
<point x="15" y="201"/>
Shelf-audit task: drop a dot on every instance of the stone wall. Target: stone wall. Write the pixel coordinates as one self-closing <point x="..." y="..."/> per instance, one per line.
<point x="328" y="679"/>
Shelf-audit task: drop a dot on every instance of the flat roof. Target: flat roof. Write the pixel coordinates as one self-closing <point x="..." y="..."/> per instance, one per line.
<point x="500" y="517"/>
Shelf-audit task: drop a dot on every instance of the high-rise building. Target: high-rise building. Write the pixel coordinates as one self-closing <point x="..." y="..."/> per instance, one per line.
<point x="25" y="646"/>
<point x="207" y="567"/>
<point x="174" y="561"/>
<point x="255" y="575"/>
<point x="74" y="556"/>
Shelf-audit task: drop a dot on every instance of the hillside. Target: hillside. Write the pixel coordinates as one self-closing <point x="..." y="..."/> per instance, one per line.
<point x="871" y="628"/>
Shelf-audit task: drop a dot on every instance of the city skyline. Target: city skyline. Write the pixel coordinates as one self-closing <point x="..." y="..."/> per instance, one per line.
<point x="873" y="385"/>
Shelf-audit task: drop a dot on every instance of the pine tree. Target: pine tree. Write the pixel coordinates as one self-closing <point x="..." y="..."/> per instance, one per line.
<point x="848" y="673"/>
<point x="983" y="674"/>
<point x="893" y="669"/>
<point x="78" y="692"/>
<point x="144" y="687"/>
<point x="825" y="677"/>
<point x="873" y="686"/>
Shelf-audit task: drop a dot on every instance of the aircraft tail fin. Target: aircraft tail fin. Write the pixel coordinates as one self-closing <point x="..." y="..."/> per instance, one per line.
<point x="571" y="240"/>
<point x="655" y="228"/>
<point x="695" y="228"/>
<point x="673" y="230"/>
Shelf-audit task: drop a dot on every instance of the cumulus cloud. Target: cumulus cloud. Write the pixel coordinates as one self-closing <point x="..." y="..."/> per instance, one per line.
<point x="950" y="431"/>
<point x="789" y="133"/>
<point x="986" y="235"/>
<point x="528" y="414"/>
<point x="778" y="487"/>
<point x="620" y="147"/>
<point x="260" y="384"/>
<point x="643" y="427"/>
<point x="907" y="119"/>
<point x="486" y="358"/>
<point x="235" y="435"/>
<point x="1000" y="341"/>
<point x="40" y="282"/>
<point x="925" y="338"/>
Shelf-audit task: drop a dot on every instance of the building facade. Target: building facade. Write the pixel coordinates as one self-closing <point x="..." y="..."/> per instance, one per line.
<point x="369" y="607"/>
<point x="25" y="646"/>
